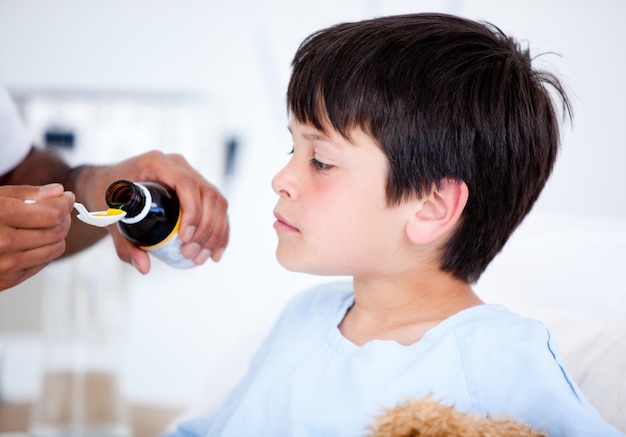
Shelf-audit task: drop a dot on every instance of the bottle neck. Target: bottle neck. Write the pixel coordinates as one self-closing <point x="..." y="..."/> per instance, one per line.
<point x="144" y="211"/>
<point x="132" y="197"/>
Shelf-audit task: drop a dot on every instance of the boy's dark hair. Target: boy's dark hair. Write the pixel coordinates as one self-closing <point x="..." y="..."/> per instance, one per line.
<point x="445" y="98"/>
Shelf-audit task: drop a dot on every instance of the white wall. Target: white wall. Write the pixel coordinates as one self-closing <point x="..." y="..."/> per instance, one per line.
<point x="193" y="332"/>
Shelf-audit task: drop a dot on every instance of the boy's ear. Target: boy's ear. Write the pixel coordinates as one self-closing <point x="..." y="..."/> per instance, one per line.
<point x="437" y="212"/>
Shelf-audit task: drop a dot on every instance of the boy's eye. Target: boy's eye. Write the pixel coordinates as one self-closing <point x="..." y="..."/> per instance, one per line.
<point x="293" y="149"/>
<point x="318" y="165"/>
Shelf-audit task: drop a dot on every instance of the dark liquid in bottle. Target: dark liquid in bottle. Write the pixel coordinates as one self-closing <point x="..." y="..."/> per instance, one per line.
<point x="145" y="224"/>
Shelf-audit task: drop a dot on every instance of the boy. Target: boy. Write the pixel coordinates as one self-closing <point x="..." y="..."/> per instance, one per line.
<point x="420" y="143"/>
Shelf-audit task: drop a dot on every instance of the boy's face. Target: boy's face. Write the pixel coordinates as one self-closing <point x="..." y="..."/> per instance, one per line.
<point x="332" y="217"/>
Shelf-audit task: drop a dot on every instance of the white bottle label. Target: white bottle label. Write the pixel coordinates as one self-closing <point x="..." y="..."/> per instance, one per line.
<point x="171" y="252"/>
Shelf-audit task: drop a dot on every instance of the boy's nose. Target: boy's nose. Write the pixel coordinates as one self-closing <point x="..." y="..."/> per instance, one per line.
<point x="284" y="184"/>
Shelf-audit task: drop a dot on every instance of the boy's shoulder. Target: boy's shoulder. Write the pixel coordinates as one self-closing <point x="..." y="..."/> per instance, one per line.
<point x="521" y="348"/>
<point x="492" y="318"/>
<point x="495" y="328"/>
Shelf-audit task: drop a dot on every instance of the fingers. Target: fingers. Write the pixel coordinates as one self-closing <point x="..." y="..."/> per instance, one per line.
<point x="40" y="256"/>
<point x="28" y="225"/>
<point x="34" y="222"/>
<point x="204" y="227"/>
<point x="204" y="223"/>
<point x="37" y="211"/>
<point x="130" y="253"/>
<point x="11" y="279"/>
<point x="18" y="265"/>
<point x="30" y="193"/>
<point x="209" y="237"/>
<point x="16" y="240"/>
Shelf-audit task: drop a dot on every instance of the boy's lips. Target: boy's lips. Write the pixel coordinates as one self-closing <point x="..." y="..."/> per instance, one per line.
<point x="281" y="224"/>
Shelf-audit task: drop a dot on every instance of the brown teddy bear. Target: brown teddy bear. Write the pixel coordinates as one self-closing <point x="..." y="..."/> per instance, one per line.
<point x="429" y="418"/>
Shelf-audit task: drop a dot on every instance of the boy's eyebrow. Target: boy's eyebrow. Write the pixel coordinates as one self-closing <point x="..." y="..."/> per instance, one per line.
<point x="315" y="137"/>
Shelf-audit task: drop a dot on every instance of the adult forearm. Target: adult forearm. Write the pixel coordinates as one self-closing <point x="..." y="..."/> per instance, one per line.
<point x="39" y="168"/>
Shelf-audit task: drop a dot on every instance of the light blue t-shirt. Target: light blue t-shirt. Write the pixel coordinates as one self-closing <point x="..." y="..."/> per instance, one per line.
<point x="309" y="380"/>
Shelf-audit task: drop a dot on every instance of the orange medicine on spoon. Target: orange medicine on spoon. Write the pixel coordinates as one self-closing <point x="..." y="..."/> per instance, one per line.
<point x="108" y="212"/>
<point x="152" y="218"/>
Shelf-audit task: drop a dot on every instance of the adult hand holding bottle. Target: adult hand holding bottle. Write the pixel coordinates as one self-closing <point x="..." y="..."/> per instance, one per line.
<point x="204" y="225"/>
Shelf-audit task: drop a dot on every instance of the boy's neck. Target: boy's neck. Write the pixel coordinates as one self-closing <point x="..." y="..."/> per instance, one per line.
<point x="404" y="310"/>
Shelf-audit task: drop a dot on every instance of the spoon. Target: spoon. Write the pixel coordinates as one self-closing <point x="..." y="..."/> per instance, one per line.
<point x="99" y="218"/>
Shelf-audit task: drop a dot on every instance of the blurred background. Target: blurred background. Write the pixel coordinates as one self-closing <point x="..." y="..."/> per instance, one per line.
<point x="103" y="80"/>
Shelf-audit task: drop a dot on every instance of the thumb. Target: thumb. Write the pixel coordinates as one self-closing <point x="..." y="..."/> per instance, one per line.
<point x="30" y="192"/>
<point x="48" y="191"/>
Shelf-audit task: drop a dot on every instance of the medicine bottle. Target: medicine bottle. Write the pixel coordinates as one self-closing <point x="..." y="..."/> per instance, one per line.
<point x="152" y="218"/>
